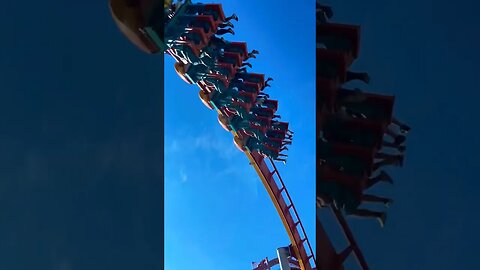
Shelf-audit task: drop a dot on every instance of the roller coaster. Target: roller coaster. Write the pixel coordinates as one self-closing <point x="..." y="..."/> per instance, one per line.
<point x="192" y="33"/>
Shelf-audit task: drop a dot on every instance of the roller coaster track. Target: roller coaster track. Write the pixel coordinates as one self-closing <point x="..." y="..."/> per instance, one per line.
<point x="280" y="197"/>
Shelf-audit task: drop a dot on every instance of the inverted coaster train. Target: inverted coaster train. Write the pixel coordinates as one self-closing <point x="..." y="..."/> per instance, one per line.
<point x="190" y="33"/>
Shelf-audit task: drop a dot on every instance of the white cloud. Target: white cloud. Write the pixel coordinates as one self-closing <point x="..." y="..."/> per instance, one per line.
<point x="183" y="176"/>
<point x="174" y="147"/>
<point x="215" y="153"/>
<point x="220" y="144"/>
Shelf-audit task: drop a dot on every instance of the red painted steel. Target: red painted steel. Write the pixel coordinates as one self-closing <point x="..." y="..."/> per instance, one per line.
<point x="284" y="205"/>
<point x="351" y="239"/>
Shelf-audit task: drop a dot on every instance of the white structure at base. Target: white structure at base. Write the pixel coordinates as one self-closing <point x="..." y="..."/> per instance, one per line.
<point x="283" y="253"/>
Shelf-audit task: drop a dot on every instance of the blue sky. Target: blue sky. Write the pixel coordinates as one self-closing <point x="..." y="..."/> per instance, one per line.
<point x="217" y="212"/>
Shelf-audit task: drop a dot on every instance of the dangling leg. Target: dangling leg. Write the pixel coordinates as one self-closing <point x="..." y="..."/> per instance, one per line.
<point x="282" y="160"/>
<point x="221" y="32"/>
<point x="387" y="156"/>
<point x="400" y="148"/>
<point x="403" y="127"/>
<point x="385" y="162"/>
<point x="364" y="213"/>
<point x="356" y="97"/>
<point x="353" y="113"/>
<point x="218" y="42"/>
<point x="200" y="9"/>
<point x="325" y="9"/>
<point x="399" y="139"/>
<point x="244" y="99"/>
<point x="242" y="112"/>
<point x="242" y="69"/>
<point x="219" y="86"/>
<point x="233" y="17"/>
<point x="376" y="199"/>
<point x="246" y="64"/>
<point x="362" y="76"/>
<point x="254" y="52"/>
<point x="321" y="16"/>
<point x="266" y="84"/>
<point x="259" y="134"/>
<point x="382" y="177"/>
<point x="226" y="24"/>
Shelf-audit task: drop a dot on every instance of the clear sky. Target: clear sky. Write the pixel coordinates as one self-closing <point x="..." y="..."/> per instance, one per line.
<point x="217" y="212"/>
<point x="80" y="140"/>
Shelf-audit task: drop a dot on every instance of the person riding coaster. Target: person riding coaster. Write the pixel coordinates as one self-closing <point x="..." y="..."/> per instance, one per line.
<point x="367" y="136"/>
<point x="340" y="37"/>
<point x="192" y="55"/>
<point x="206" y="22"/>
<point x="233" y="93"/>
<point x="196" y="36"/>
<point x="265" y="112"/>
<point x="246" y="86"/>
<point x="263" y="102"/>
<point x="361" y="133"/>
<point x="323" y="13"/>
<point x="277" y="142"/>
<point x="193" y="74"/>
<point x="185" y="22"/>
<point x="263" y="121"/>
<point x="245" y="143"/>
<point x="214" y="10"/>
<point x="187" y="51"/>
<point x="211" y="56"/>
<point x="251" y="77"/>
<point x="220" y="44"/>
<point x="329" y="71"/>
<point x="277" y="125"/>
<point x="377" y="112"/>
<point x="361" y="105"/>
<point x="236" y="124"/>
<point x="240" y="109"/>
<point x="398" y="138"/>
<point x="286" y="140"/>
<point x="233" y="102"/>
<point x="279" y="134"/>
<point x="354" y="160"/>
<point x="348" y="200"/>
<point x="333" y="66"/>
<point x="196" y="69"/>
<point x="363" y="182"/>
